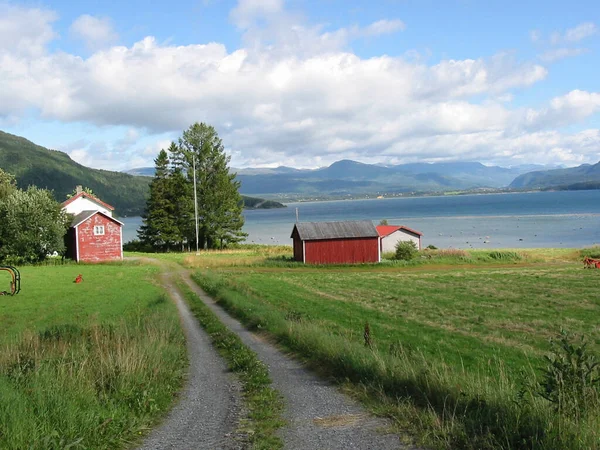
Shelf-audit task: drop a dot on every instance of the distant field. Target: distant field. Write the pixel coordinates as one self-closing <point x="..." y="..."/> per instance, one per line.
<point x="89" y="365"/>
<point x="452" y="334"/>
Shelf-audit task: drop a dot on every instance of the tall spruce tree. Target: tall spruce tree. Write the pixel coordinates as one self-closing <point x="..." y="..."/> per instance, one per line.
<point x="159" y="228"/>
<point x="219" y="201"/>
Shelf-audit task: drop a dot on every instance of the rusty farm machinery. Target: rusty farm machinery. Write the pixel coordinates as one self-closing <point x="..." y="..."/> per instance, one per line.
<point x="15" y="280"/>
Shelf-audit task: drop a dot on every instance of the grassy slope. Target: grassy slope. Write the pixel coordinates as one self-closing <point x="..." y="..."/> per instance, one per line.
<point x="36" y="165"/>
<point x="455" y="342"/>
<point x="92" y="365"/>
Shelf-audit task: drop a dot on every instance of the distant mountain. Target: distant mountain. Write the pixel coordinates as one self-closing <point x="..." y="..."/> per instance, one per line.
<point x="581" y="177"/>
<point x="35" y="165"/>
<point x="351" y="177"/>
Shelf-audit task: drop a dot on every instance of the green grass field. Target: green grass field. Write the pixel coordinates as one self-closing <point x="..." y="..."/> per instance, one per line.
<point x="458" y="342"/>
<point x="89" y="365"/>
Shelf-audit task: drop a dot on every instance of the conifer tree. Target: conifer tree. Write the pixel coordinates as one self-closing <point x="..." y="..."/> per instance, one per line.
<point x="219" y="201"/>
<point x="159" y="228"/>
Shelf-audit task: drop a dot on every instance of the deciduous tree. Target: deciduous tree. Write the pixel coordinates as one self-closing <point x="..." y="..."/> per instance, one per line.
<point x="33" y="226"/>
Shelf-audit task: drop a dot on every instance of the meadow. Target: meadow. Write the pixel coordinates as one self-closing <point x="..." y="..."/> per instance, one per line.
<point x="455" y="346"/>
<point x="88" y="365"/>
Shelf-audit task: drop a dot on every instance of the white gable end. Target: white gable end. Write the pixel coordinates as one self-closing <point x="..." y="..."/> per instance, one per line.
<point x="85" y="204"/>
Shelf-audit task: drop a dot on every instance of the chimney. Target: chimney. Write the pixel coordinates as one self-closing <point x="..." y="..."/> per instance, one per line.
<point x="78" y="189"/>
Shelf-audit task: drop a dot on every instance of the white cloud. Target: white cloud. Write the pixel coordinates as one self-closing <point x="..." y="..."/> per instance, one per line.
<point x="561" y="53"/>
<point x="535" y="35"/>
<point x="247" y="11"/>
<point x="295" y="95"/>
<point x="95" y="32"/>
<point x="575" y="34"/>
<point x="580" y="32"/>
<point x="384" y="27"/>
<point x="565" y="110"/>
<point x="25" y="31"/>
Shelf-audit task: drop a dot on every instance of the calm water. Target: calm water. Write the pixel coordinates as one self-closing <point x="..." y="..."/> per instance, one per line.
<point x="541" y="219"/>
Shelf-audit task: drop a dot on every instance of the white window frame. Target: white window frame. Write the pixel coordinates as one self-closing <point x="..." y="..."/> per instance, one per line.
<point x="99" y="230"/>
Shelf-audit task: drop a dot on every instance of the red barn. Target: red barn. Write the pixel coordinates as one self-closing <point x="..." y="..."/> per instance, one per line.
<point x="95" y="236"/>
<point x="336" y="242"/>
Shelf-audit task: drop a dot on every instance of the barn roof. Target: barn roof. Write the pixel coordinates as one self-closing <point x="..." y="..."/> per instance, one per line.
<point x="85" y="215"/>
<point x="311" y="231"/>
<point x="89" y="197"/>
<point x="386" y="230"/>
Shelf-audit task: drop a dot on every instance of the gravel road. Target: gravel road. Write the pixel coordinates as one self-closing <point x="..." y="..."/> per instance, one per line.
<point x="319" y="416"/>
<point x="207" y="414"/>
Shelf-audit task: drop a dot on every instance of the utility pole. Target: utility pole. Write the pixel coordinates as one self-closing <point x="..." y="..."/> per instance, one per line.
<point x="195" y="200"/>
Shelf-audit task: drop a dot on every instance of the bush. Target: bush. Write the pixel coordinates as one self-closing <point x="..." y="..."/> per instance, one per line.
<point x="406" y="250"/>
<point x="431" y="247"/>
<point x="571" y="381"/>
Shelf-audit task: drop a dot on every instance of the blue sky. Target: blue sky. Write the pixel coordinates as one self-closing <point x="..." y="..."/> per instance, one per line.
<point x="305" y="83"/>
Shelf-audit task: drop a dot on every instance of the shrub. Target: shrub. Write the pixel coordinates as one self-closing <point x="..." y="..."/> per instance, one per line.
<point x="431" y="247"/>
<point x="406" y="250"/>
<point x="591" y="252"/>
<point x="571" y="381"/>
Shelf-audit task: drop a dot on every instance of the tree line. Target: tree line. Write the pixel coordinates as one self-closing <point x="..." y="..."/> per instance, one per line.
<point x="169" y="219"/>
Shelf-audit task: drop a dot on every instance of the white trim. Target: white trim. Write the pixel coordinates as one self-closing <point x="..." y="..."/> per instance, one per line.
<point x="98" y="212"/>
<point x="121" y="233"/>
<point x="76" y="244"/>
<point x="379" y="249"/>
<point x="304" y="252"/>
<point x="99" y="230"/>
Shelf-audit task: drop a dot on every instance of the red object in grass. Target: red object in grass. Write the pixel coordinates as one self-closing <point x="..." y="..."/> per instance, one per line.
<point x="79" y="279"/>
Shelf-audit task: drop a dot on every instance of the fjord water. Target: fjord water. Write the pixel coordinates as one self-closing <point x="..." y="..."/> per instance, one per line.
<point x="520" y="220"/>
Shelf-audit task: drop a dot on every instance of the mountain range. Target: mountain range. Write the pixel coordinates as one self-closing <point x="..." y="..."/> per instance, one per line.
<point x="32" y="164"/>
<point x="348" y="177"/>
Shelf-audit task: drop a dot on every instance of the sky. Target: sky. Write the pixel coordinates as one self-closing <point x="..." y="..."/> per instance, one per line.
<point x="305" y="83"/>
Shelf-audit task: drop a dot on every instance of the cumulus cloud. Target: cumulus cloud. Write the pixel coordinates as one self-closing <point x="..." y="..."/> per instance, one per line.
<point x="95" y="32"/>
<point x="296" y="95"/>
<point x="25" y="31"/>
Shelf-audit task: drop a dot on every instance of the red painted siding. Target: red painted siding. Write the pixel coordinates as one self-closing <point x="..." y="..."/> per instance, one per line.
<point x="342" y="251"/>
<point x="93" y="248"/>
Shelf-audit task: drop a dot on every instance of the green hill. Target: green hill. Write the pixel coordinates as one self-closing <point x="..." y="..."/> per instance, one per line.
<point x="51" y="169"/>
<point x="581" y="177"/>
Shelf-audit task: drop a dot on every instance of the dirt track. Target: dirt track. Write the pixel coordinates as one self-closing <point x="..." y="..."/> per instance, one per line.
<point x="319" y="416"/>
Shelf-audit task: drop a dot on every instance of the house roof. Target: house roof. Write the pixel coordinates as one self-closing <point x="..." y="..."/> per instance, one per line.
<point x="89" y="197"/>
<point x="386" y="230"/>
<point x="85" y="215"/>
<point x="311" y="231"/>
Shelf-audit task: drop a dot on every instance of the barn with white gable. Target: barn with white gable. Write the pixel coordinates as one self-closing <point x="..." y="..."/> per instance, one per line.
<point x="95" y="235"/>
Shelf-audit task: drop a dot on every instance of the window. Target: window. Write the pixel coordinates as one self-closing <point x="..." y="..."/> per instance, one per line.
<point x="98" y="230"/>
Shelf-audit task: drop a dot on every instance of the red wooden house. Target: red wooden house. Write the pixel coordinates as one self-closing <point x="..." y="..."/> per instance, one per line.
<point x="94" y="235"/>
<point x="336" y="242"/>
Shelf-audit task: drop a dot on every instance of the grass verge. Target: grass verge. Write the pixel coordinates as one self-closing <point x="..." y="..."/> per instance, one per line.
<point x="89" y="365"/>
<point x="264" y="403"/>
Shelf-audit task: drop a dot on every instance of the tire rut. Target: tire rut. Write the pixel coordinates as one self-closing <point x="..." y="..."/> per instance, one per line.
<point x="319" y="416"/>
<point x="208" y="411"/>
